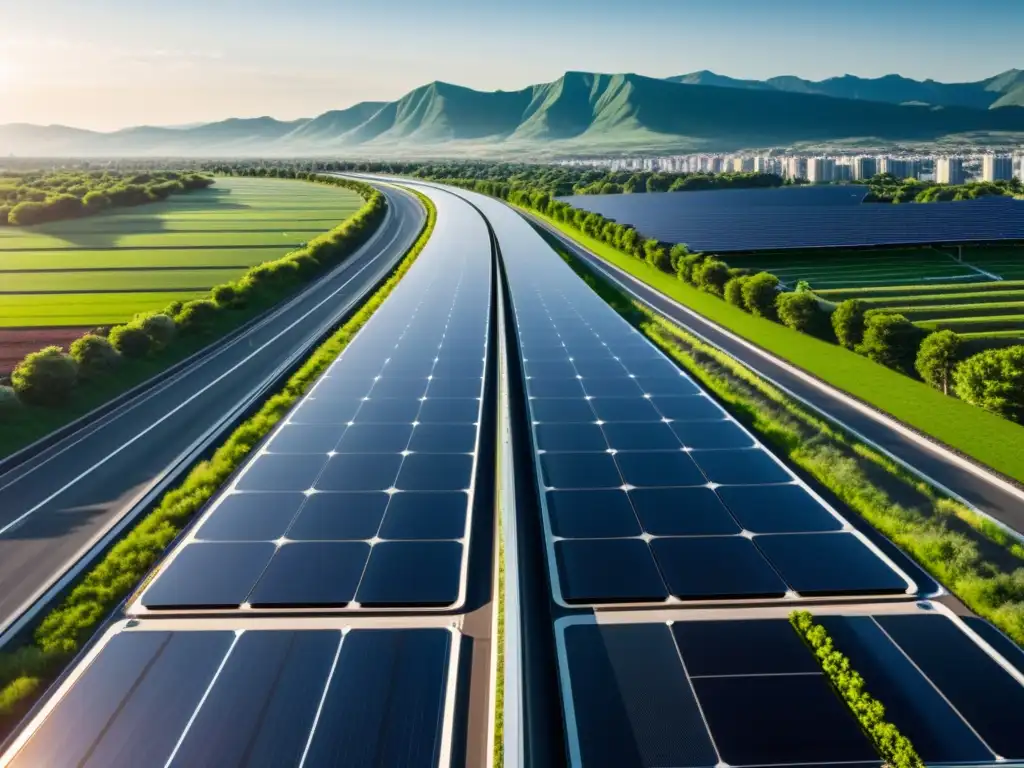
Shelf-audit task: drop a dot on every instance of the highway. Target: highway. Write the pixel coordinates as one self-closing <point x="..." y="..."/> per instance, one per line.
<point x="985" y="491"/>
<point x="63" y="502"/>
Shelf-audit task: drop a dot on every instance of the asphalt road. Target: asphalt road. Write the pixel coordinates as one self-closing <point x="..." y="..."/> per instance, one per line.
<point x="988" y="494"/>
<point x="59" y="504"/>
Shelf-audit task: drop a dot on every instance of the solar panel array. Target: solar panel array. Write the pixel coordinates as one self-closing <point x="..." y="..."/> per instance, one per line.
<point x="362" y="497"/>
<point x="748" y="692"/>
<point x="640" y="468"/>
<point x="226" y="698"/>
<point x="779" y="219"/>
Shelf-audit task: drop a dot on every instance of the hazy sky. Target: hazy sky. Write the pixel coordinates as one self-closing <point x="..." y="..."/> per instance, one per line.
<point x="109" y="63"/>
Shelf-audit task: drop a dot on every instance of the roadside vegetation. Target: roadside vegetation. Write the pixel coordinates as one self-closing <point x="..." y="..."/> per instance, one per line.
<point x="26" y="671"/>
<point x="893" y="746"/>
<point x="53" y="386"/>
<point x="971" y="556"/>
<point x="36" y="198"/>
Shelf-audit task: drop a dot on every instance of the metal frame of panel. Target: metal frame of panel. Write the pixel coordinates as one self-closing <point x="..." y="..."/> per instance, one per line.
<point x="342" y="625"/>
<point x="551" y="538"/>
<point x="193" y="535"/>
<point x="668" y="617"/>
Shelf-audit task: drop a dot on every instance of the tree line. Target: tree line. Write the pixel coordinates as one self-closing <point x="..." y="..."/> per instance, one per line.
<point x="40" y="197"/>
<point x="886" y="188"/>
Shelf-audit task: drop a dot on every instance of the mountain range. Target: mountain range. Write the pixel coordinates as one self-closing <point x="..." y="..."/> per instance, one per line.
<point x="582" y="113"/>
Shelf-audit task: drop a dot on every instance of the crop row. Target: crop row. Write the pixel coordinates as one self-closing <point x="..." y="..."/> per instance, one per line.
<point x="919" y="312"/>
<point x="956" y="298"/>
<point x="976" y="325"/>
<point x="838" y="294"/>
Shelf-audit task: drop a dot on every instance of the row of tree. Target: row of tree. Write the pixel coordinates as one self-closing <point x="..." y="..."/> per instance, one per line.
<point x="37" y="198"/>
<point x="50" y="376"/>
<point x="886" y="188"/>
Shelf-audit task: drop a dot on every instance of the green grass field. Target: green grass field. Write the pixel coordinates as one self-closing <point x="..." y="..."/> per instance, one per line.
<point x="988" y="438"/>
<point x="102" y="270"/>
<point x="983" y="293"/>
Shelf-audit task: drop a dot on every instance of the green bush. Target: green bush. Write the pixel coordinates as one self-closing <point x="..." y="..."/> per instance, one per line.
<point x="676" y="256"/>
<point x="656" y="255"/>
<point x="848" y="323"/>
<point x="131" y="340"/>
<point x="688" y="265"/>
<point x="759" y="292"/>
<point x="160" y="329"/>
<point x="224" y="295"/>
<point x="891" y="340"/>
<point x="9" y="402"/>
<point x="46" y="377"/>
<point x="711" y="276"/>
<point x="733" y="292"/>
<point x="94" y="354"/>
<point x="196" y="316"/>
<point x="993" y="380"/>
<point x="892" y="745"/>
<point x="937" y="358"/>
<point x="802" y="312"/>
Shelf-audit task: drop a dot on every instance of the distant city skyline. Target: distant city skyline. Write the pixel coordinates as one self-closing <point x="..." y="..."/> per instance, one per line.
<point x="114" y="63"/>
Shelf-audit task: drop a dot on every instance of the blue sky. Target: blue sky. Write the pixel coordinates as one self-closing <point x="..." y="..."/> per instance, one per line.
<point x="109" y="63"/>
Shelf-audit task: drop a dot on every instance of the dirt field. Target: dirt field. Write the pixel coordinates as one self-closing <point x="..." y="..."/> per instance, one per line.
<point x="15" y="343"/>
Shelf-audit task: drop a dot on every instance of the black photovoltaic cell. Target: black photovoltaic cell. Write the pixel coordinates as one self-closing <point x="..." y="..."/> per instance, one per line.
<point x="374" y="465"/>
<point x="649" y="488"/>
<point x="260" y="699"/>
<point x="774" y="219"/>
<point x="702" y="694"/>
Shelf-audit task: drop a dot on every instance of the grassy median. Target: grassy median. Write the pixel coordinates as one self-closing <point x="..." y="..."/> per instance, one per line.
<point x="976" y="433"/>
<point x="26" y="671"/>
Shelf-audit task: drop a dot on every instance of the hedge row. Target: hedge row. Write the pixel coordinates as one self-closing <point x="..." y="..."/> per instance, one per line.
<point x="974" y="558"/>
<point x="63" y="632"/>
<point x="885" y="337"/>
<point x="50" y="376"/>
<point x="893" y="746"/>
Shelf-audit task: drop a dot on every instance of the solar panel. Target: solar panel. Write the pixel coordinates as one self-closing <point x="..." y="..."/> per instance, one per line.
<point x="362" y="497"/>
<point x="650" y="491"/>
<point x="808" y="217"/>
<point x="720" y="690"/>
<point x="254" y="697"/>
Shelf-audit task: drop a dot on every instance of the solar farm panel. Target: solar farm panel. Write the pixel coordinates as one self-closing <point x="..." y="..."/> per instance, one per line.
<point x="252" y="697"/>
<point x="748" y="692"/>
<point x="650" y="491"/>
<point x="362" y="498"/>
<point x="809" y="217"/>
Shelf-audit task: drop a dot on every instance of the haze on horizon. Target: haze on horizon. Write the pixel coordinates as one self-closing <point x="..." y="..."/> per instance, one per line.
<point x="117" y="63"/>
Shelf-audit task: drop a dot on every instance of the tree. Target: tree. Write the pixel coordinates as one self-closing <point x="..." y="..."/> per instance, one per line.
<point x="711" y="276"/>
<point x="160" y="329"/>
<point x="993" y="380"/>
<point x="687" y="267"/>
<point x="94" y="354"/>
<point x="802" y="312"/>
<point x="892" y="340"/>
<point x="196" y="315"/>
<point x="46" y="377"/>
<point x="9" y="402"/>
<point x="655" y="254"/>
<point x="678" y="252"/>
<point x="848" y="323"/>
<point x="131" y="340"/>
<point x="759" y="292"/>
<point x="733" y="291"/>
<point x="937" y="358"/>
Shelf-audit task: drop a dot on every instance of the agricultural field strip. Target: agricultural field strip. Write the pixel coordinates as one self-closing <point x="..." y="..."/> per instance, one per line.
<point x="129" y="258"/>
<point x="161" y="280"/>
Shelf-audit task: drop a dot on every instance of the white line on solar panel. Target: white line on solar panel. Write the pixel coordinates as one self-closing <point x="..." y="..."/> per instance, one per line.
<point x="202" y="700"/>
<point x="932" y="684"/>
<point x="323" y="699"/>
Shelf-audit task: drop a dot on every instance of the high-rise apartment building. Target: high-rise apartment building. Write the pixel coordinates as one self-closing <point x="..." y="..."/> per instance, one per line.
<point x="997" y="168"/>
<point x="795" y="168"/>
<point x="901" y="167"/>
<point x="950" y="170"/>
<point x="820" y="169"/>
<point x="863" y="167"/>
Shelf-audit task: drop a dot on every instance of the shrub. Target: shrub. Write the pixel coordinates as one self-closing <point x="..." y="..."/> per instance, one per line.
<point x="9" y="402"/>
<point x="892" y="745"/>
<point x="993" y="380"/>
<point x="891" y="340"/>
<point x="848" y="323"/>
<point x="131" y="340"/>
<point x="224" y="295"/>
<point x="94" y="354"/>
<point x="802" y="312"/>
<point x="687" y="266"/>
<point x="676" y="255"/>
<point x="937" y="358"/>
<point x="173" y="308"/>
<point x="711" y="276"/>
<point x="759" y="294"/>
<point x="196" y="315"/>
<point x="656" y="255"/>
<point x="160" y="329"/>
<point x="802" y="286"/>
<point x="733" y="292"/>
<point x="46" y="377"/>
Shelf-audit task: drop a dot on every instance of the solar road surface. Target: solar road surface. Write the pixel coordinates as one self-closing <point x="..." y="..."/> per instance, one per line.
<point x="804" y="217"/>
<point x="362" y="498"/>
